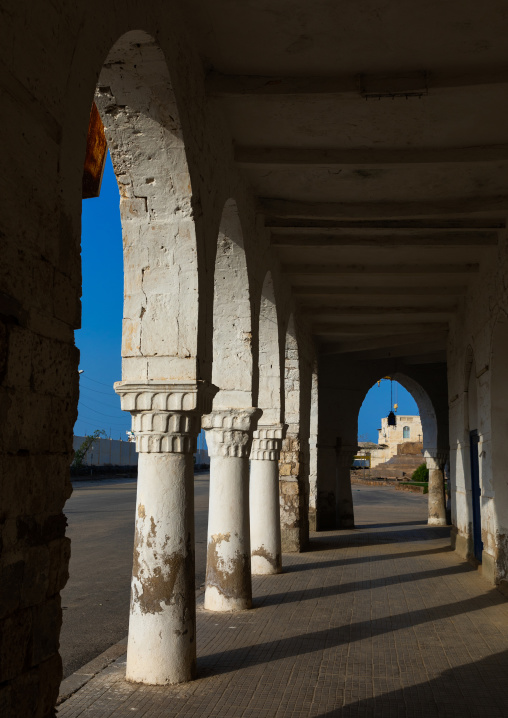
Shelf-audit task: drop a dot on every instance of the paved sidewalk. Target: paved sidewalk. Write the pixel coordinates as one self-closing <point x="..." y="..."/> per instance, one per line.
<point x="382" y="621"/>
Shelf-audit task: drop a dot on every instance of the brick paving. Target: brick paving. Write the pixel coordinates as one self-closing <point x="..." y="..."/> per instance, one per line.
<point x="381" y="621"/>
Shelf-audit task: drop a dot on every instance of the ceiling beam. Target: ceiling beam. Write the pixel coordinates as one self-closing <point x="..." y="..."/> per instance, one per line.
<point x="429" y="352"/>
<point x="421" y="268"/>
<point x="360" y="311"/>
<point x="284" y="208"/>
<point x="290" y="156"/>
<point x="448" y="290"/>
<point x="442" y="239"/>
<point x="427" y="224"/>
<point x="220" y="85"/>
<point x="341" y="328"/>
<point x="429" y="340"/>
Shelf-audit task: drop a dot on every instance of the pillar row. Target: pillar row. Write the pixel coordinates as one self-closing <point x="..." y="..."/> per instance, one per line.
<point x="435" y="460"/>
<point x="229" y="434"/>
<point x="345" y="515"/>
<point x="265" y="534"/>
<point x="166" y="420"/>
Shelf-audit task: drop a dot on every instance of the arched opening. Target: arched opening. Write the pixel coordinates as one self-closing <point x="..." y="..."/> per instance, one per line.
<point x="394" y="451"/>
<point x="381" y="449"/>
<point x="159" y="373"/>
<point x="265" y="524"/>
<point x="228" y="574"/>
<point x="232" y="325"/>
<point x="141" y="121"/>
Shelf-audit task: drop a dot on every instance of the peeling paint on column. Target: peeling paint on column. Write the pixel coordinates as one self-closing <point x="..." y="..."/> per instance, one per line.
<point x="228" y="571"/>
<point x="230" y="577"/>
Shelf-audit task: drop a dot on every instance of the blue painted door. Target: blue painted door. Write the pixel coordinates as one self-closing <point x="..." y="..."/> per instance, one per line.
<point x="476" y="494"/>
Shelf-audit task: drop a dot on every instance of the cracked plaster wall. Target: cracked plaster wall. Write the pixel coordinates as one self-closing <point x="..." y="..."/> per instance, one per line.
<point x="477" y="379"/>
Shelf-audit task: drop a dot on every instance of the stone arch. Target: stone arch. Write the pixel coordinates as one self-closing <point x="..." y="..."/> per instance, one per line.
<point x="160" y="365"/>
<point x="430" y="439"/>
<point x="139" y="111"/>
<point x="294" y="465"/>
<point x="269" y="394"/>
<point x="232" y="320"/>
<point x="292" y="395"/>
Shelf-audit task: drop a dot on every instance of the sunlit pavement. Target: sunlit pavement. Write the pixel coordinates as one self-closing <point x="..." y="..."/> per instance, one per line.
<point x="379" y="621"/>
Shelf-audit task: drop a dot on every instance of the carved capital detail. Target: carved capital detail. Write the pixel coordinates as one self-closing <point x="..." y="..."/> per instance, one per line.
<point x="267" y="442"/>
<point x="229" y="431"/>
<point x="166" y="416"/>
<point x="436" y="458"/>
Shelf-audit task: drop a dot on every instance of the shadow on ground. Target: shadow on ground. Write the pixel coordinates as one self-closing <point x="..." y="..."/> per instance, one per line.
<point x="475" y="690"/>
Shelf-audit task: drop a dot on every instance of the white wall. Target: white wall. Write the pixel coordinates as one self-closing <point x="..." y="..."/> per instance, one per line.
<point x="108" y="452"/>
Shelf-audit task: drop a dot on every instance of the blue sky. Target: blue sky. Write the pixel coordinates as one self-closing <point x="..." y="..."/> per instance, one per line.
<point x="99" y="340"/>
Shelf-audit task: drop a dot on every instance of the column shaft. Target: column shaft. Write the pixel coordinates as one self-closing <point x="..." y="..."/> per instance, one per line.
<point x="345" y="514"/>
<point x="265" y="532"/>
<point x="161" y="646"/>
<point x="228" y="567"/>
<point x="344" y="506"/>
<point x="436" y="460"/>
<point x="437" y="501"/>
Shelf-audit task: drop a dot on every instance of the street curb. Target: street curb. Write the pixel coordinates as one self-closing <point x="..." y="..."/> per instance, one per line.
<point x="77" y="680"/>
<point x="81" y="677"/>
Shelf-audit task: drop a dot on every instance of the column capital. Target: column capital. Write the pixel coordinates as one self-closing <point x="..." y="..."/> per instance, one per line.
<point x="229" y="431"/>
<point x="267" y="442"/>
<point x="436" y="458"/>
<point x="166" y="415"/>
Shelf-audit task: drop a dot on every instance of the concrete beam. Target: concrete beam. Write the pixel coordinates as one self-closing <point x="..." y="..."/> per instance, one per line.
<point x="290" y="156"/>
<point x="291" y="209"/>
<point x="324" y="291"/>
<point x="321" y="269"/>
<point x="219" y="85"/>
<point x="376" y="310"/>
<point x="430" y="341"/>
<point x="439" y="239"/>
<point x="341" y="328"/>
<point x="427" y="224"/>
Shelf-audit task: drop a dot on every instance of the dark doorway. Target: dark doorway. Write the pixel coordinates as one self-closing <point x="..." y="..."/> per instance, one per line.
<point x="475" y="495"/>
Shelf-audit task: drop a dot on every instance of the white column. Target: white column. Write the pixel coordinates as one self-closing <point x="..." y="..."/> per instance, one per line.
<point x="228" y="570"/>
<point x="265" y="538"/>
<point x="435" y="460"/>
<point x="162" y="626"/>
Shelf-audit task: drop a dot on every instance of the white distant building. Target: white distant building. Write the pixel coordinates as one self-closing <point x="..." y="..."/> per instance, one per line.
<point x="407" y="428"/>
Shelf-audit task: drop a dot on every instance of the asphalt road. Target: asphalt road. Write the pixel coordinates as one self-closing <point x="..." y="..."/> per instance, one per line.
<point x="101" y="528"/>
<point x="96" y="598"/>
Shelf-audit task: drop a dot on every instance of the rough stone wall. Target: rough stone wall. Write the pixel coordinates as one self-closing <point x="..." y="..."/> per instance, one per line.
<point x="477" y="380"/>
<point x="53" y="56"/>
<point x="294" y="463"/>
